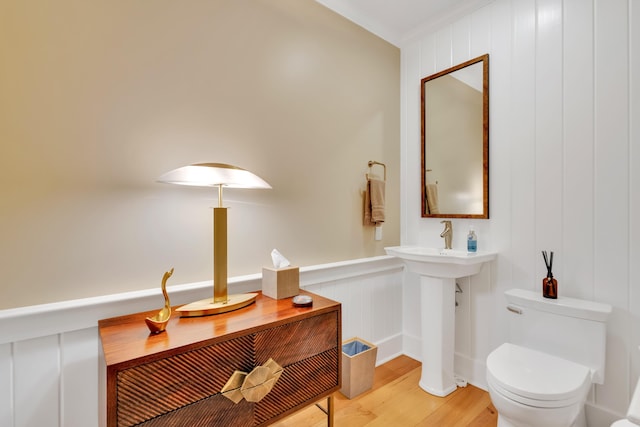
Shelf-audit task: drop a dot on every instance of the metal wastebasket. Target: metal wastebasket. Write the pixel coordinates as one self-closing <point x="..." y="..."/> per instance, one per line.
<point x="358" y="366"/>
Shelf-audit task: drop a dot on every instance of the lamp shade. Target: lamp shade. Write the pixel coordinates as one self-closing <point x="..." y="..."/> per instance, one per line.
<point x="213" y="175"/>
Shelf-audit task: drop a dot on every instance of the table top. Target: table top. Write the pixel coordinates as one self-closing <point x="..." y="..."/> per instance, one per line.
<point x="126" y="338"/>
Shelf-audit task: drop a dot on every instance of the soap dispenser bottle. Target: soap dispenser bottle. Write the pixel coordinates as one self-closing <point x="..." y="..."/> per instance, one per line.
<point x="472" y="241"/>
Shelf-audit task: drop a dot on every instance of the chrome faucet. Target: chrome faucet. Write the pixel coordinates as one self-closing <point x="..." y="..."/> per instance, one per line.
<point x="447" y="233"/>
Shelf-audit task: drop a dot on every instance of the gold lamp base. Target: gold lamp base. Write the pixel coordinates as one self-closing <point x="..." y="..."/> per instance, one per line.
<point x="207" y="307"/>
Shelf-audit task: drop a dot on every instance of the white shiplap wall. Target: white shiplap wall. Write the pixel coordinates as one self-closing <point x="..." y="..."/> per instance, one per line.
<point x="49" y="355"/>
<point x="565" y="176"/>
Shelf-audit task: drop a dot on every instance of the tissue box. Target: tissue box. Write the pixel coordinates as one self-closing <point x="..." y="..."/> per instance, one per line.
<point x="279" y="283"/>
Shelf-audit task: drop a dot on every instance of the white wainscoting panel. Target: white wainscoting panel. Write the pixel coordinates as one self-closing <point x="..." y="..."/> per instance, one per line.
<point x="564" y="175"/>
<point x="50" y="354"/>
<point x="79" y="361"/>
<point x="36" y="375"/>
<point x="6" y="384"/>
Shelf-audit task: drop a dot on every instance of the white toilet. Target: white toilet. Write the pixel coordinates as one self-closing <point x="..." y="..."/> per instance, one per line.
<point x="633" y="414"/>
<point x="556" y="350"/>
<point x="624" y="423"/>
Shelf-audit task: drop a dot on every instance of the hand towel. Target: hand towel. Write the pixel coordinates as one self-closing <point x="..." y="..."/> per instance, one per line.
<point x="432" y="199"/>
<point x="366" y="208"/>
<point x="374" y="202"/>
<point x="377" y="200"/>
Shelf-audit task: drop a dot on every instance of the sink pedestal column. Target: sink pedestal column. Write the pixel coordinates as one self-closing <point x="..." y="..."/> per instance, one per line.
<point x="438" y="269"/>
<point x="437" y="297"/>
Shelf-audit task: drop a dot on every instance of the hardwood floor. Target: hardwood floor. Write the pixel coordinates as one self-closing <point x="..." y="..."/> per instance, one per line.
<point x="396" y="400"/>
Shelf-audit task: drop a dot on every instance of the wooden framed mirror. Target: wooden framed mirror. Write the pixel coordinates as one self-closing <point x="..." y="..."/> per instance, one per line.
<point x="455" y="141"/>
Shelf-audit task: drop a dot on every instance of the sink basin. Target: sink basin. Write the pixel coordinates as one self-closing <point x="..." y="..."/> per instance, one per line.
<point x="438" y="269"/>
<point x="443" y="263"/>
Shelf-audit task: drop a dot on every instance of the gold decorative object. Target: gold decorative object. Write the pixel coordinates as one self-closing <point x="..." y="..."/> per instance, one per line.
<point x="216" y="175"/>
<point x="252" y="386"/>
<point x="158" y="323"/>
<point x="231" y="389"/>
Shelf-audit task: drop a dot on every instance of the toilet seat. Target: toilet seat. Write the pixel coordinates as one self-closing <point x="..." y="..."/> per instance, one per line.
<point x="536" y="379"/>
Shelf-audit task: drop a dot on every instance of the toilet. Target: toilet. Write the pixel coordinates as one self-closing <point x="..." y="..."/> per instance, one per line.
<point x="624" y="423"/>
<point x="633" y="413"/>
<point x="556" y="351"/>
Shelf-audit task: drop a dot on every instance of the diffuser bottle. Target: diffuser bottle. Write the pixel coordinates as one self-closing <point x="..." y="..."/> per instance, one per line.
<point x="550" y="287"/>
<point x="549" y="284"/>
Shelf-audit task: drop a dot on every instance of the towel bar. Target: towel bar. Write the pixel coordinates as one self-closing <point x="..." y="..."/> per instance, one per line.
<point x="373" y="162"/>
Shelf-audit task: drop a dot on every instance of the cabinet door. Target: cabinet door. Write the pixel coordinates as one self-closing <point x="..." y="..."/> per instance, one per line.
<point x="185" y="386"/>
<point x="308" y="351"/>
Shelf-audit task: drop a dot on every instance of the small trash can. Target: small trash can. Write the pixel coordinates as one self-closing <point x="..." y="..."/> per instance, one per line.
<point x="358" y="366"/>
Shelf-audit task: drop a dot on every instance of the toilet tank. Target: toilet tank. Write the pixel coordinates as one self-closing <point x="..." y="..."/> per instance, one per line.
<point x="570" y="328"/>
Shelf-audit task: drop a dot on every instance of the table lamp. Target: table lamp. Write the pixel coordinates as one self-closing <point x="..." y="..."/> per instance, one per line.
<point x="216" y="175"/>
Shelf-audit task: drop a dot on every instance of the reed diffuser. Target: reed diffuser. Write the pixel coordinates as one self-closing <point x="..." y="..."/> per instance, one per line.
<point x="549" y="284"/>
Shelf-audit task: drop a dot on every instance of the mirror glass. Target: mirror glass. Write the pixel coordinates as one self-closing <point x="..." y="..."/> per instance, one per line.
<point x="455" y="141"/>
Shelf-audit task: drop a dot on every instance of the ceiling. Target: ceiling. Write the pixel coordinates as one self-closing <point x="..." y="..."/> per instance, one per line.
<point x="399" y="20"/>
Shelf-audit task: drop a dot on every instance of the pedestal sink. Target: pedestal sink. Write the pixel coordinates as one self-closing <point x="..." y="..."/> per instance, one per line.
<point x="438" y="269"/>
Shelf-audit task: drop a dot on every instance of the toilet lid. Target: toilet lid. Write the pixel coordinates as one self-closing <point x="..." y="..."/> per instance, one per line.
<point x="535" y="378"/>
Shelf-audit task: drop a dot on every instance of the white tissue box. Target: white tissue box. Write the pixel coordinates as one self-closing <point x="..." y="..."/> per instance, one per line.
<point x="279" y="283"/>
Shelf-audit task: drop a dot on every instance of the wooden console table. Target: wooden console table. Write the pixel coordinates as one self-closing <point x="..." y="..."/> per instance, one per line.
<point x="174" y="378"/>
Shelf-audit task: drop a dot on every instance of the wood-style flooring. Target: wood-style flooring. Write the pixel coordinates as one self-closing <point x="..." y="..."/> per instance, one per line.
<point x="396" y="400"/>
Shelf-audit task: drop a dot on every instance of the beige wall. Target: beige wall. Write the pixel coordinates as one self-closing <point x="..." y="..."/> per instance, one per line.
<point x="100" y="98"/>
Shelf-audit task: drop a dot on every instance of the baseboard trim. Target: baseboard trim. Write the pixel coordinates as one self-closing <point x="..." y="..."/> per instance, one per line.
<point x="471" y="370"/>
<point x="389" y="349"/>
<point x="411" y="346"/>
<point x="600" y="417"/>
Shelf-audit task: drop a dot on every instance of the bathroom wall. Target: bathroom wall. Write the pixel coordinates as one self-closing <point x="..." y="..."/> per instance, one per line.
<point x="100" y="98"/>
<point x="51" y="372"/>
<point x="565" y="175"/>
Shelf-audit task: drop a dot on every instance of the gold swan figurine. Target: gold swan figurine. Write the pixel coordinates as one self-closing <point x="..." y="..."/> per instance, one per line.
<point x="158" y="323"/>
